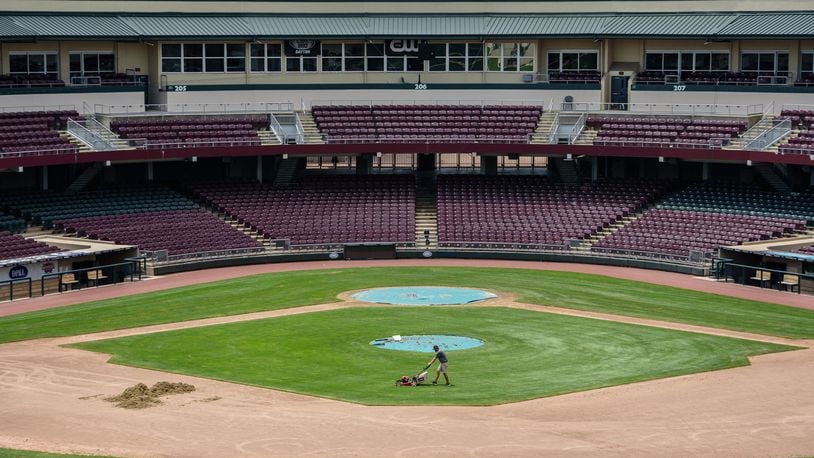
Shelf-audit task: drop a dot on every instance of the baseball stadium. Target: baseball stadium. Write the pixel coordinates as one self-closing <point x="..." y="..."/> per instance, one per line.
<point x="389" y="228"/>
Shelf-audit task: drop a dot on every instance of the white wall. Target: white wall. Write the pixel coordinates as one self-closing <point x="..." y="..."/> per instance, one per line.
<point x="306" y="98"/>
<point x="722" y="98"/>
<point x="73" y="99"/>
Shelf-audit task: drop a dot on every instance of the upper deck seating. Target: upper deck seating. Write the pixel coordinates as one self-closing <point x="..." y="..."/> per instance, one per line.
<point x="33" y="80"/>
<point x="440" y="123"/>
<point x="34" y="131"/>
<point x="661" y="131"/>
<point x="575" y="77"/>
<point x="199" y="131"/>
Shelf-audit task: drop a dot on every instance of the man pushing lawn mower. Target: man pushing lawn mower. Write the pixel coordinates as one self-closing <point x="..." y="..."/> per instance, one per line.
<point x="442" y="364"/>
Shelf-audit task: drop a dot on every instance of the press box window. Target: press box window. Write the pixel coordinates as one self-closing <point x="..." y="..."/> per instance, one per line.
<point x="33" y="62"/>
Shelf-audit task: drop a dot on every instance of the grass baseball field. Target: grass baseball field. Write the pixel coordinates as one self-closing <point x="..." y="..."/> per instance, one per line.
<point x="292" y="289"/>
<point x="526" y="354"/>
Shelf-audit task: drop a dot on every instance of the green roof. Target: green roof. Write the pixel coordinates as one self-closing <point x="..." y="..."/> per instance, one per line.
<point x="177" y="26"/>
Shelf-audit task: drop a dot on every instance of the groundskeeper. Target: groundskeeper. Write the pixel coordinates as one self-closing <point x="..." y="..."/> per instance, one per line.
<point x="442" y="364"/>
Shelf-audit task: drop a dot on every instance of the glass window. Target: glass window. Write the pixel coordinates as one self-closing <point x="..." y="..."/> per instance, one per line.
<point x="414" y="64"/>
<point x="107" y="64"/>
<point x="18" y="63"/>
<point x="566" y="61"/>
<point x="765" y="62"/>
<point x="807" y="64"/>
<point x="687" y="62"/>
<point x="90" y="63"/>
<point x="782" y="62"/>
<point x="171" y="50"/>
<point x="702" y="62"/>
<point x="749" y="62"/>
<point x="193" y="50"/>
<point x="474" y="57"/>
<point x="264" y="57"/>
<point x="670" y="61"/>
<point x="75" y="62"/>
<point x="720" y="62"/>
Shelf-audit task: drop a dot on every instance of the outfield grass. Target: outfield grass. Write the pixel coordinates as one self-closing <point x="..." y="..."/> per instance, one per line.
<point x="525" y="355"/>
<point x="290" y="289"/>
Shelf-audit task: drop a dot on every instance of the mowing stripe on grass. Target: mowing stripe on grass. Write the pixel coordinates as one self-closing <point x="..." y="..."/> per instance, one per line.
<point x="292" y="289"/>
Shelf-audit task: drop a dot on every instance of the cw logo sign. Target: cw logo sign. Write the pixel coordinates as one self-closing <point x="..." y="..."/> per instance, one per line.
<point x="403" y="46"/>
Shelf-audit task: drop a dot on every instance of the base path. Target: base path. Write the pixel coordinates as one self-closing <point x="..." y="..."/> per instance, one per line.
<point x="50" y="399"/>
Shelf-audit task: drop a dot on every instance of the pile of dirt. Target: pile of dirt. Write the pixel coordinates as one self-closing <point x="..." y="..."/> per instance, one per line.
<point x="139" y="396"/>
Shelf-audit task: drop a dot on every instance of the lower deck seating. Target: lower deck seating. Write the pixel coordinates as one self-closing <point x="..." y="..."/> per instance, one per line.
<point x="531" y="210"/>
<point x="321" y="209"/>
<point x="706" y="216"/>
<point x="14" y="246"/>
<point x="151" y="217"/>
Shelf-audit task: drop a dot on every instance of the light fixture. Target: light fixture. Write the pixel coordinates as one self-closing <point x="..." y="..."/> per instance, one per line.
<point x="107" y="163"/>
<point x="194" y="158"/>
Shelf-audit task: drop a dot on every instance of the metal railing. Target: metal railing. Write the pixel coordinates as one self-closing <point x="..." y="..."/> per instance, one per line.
<point x="92" y="133"/>
<point x="300" y="130"/>
<point x="640" y="254"/>
<point x="435" y="102"/>
<point x="107" y="274"/>
<point x="667" y="108"/>
<point x="576" y="129"/>
<point x="66" y="149"/>
<point x="11" y="283"/>
<point x="28" y="108"/>
<point x="712" y="143"/>
<point x="336" y="139"/>
<point x="552" y="135"/>
<point x="143" y="143"/>
<point x="779" y="129"/>
<point x="504" y="246"/>
<point x="277" y="129"/>
<point x="211" y="254"/>
<point x="197" y="108"/>
<point x="746" y="274"/>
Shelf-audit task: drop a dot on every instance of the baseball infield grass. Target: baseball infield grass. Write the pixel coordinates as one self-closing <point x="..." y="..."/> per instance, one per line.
<point x="526" y="354"/>
<point x="291" y="289"/>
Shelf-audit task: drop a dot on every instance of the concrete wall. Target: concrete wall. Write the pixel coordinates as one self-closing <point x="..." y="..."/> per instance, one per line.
<point x="74" y="100"/>
<point x="733" y="99"/>
<point x="306" y="98"/>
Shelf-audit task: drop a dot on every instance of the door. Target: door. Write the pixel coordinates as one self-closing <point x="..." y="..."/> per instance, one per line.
<point x="619" y="92"/>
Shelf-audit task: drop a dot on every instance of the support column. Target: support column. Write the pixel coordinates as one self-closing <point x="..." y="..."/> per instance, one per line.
<point x="364" y="163"/>
<point x="149" y="171"/>
<point x="705" y="171"/>
<point x="259" y="169"/>
<point x="488" y="165"/>
<point x="811" y="181"/>
<point x="594" y="168"/>
<point x="45" y="178"/>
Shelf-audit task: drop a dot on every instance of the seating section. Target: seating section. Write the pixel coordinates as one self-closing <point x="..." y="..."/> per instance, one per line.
<point x="14" y="246"/>
<point x="802" y="120"/>
<point x="198" y="131"/>
<point x="806" y="250"/>
<point x="321" y="209"/>
<point x="32" y="131"/>
<point x="153" y="218"/>
<point x="714" y="78"/>
<point x="11" y="224"/>
<point x="664" y="131"/>
<point x="411" y="123"/>
<point x="574" y="77"/>
<point x="33" y="80"/>
<point x="478" y="210"/>
<point x="704" y="217"/>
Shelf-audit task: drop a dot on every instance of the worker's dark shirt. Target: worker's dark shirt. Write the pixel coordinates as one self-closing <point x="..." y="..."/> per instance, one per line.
<point x="441" y="356"/>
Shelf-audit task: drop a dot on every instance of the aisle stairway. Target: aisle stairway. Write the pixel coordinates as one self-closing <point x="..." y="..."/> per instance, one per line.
<point x="309" y="127"/>
<point x="426" y="212"/>
<point x="543" y="130"/>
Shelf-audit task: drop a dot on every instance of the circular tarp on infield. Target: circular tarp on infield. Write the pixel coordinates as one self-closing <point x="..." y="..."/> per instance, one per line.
<point x="424" y="343"/>
<point x="422" y="295"/>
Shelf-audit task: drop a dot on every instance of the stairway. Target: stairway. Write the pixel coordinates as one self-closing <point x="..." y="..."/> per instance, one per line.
<point x="267" y="137"/>
<point x="586" y="137"/>
<point x="770" y="175"/>
<point x="309" y="128"/>
<point x="426" y="212"/>
<point x="543" y="130"/>
<point x="567" y="170"/>
<point x="84" y="178"/>
<point x="287" y="170"/>
<point x="83" y="148"/>
<point x="760" y="127"/>
<point x="613" y="228"/>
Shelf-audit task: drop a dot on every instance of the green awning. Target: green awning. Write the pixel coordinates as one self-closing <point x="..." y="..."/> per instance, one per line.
<point x="184" y="26"/>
